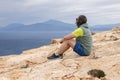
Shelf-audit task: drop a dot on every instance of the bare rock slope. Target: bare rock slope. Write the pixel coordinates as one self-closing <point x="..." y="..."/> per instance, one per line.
<point x="33" y="64"/>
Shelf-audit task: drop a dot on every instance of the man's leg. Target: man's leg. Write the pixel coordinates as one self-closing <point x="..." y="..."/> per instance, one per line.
<point x="65" y="46"/>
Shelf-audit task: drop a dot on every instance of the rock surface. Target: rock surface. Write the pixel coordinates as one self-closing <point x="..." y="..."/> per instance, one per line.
<point x="33" y="64"/>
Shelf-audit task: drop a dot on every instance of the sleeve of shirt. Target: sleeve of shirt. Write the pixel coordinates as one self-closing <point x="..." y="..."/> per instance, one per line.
<point x="78" y="32"/>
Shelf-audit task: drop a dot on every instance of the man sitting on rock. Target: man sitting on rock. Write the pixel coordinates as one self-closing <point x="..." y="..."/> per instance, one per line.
<point x="83" y="43"/>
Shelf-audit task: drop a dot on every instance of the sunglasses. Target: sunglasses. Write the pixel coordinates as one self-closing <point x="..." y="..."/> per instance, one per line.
<point x="76" y="19"/>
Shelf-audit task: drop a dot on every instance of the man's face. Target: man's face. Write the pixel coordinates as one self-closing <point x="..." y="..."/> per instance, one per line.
<point x="76" y="21"/>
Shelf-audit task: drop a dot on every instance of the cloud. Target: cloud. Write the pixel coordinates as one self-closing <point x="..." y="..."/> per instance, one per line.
<point x="32" y="11"/>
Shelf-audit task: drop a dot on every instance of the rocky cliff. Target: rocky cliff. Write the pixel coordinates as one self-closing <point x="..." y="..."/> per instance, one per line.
<point x="33" y="64"/>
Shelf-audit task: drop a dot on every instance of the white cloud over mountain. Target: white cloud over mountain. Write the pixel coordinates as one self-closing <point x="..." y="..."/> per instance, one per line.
<point x="32" y="11"/>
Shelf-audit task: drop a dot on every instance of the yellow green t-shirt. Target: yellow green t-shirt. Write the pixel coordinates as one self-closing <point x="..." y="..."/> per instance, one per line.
<point x="78" y="32"/>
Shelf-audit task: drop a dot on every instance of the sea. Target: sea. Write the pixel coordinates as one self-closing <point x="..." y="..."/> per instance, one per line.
<point x="14" y="42"/>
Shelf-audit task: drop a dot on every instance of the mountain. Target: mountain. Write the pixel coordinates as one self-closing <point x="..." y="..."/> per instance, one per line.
<point x="51" y="25"/>
<point x="99" y="28"/>
<point x="13" y="27"/>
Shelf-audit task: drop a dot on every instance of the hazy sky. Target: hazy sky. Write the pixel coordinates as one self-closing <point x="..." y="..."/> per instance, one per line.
<point x="33" y="11"/>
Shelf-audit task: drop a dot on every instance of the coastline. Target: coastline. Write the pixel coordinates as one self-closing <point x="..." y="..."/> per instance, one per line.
<point x="33" y="64"/>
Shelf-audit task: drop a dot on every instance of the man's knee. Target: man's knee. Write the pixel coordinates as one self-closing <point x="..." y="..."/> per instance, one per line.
<point x="66" y="41"/>
<point x="71" y="41"/>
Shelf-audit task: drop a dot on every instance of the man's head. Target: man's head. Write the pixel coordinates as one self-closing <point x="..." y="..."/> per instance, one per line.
<point x="81" y="20"/>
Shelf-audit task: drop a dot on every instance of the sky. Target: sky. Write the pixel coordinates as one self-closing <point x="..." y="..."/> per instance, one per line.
<point x="98" y="12"/>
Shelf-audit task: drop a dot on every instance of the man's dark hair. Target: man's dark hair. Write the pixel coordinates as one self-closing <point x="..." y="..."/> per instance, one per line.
<point x="81" y="20"/>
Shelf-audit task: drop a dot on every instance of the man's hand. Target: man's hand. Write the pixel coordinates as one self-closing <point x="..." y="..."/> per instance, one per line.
<point x="61" y="41"/>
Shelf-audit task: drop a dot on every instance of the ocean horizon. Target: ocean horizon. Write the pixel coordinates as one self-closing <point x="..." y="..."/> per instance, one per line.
<point x="16" y="42"/>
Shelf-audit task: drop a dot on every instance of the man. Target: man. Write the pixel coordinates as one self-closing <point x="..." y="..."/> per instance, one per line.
<point x="83" y="43"/>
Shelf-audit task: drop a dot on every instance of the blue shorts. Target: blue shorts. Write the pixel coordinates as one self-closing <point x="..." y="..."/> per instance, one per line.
<point x="78" y="48"/>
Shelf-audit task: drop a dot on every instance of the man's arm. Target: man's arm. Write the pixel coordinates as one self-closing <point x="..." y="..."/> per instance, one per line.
<point x="76" y="33"/>
<point x="67" y="37"/>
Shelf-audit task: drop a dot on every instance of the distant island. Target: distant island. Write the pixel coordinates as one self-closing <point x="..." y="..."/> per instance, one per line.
<point x="53" y="25"/>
